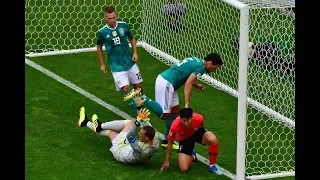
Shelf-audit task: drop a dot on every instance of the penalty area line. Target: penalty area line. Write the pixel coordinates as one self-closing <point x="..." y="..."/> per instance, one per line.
<point x="108" y="106"/>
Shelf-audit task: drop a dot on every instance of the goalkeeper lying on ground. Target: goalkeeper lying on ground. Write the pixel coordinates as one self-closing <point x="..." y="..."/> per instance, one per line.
<point x="126" y="148"/>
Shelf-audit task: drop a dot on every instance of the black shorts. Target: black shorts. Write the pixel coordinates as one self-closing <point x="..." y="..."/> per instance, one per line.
<point x="186" y="146"/>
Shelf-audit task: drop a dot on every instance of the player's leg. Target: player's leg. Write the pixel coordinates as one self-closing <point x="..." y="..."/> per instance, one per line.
<point x="127" y="126"/>
<point x="185" y="155"/>
<point x="116" y="125"/>
<point x="204" y="137"/>
<point x="104" y="128"/>
<point x="112" y="134"/>
<point x="152" y="105"/>
<point x="174" y="113"/>
<point x="121" y="80"/>
<point x="84" y="121"/>
<point x="135" y="77"/>
<point x="164" y="94"/>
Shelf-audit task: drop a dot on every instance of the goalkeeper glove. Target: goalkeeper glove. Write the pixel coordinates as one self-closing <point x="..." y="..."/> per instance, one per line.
<point x="137" y="98"/>
<point x="143" y="115"/>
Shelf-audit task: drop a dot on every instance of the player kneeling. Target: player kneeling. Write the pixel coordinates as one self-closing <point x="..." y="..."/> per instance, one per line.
<point x="126" y="148"/>
<point x="189" y="129"/>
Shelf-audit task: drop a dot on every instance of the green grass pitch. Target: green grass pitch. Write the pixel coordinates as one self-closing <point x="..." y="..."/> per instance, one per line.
<point x="56" y="148"/>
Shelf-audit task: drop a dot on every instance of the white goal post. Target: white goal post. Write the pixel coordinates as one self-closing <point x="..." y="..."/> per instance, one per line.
<point x="255" y="39"/>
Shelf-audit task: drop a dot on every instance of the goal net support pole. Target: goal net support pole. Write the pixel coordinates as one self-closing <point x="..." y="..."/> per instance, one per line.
<point x="264" y="119"/>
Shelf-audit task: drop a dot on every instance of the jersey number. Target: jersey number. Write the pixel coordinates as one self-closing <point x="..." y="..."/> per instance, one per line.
<point x="184" y="61"/>
<point x="138" y="76"/>
<point x="116" y="41"/>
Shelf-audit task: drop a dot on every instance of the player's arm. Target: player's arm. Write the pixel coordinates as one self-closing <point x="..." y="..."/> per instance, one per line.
<point x="192" y="82"/>
<point x="132" y="138"/>
<point x="146" y="124"/>
<point x="133" y="43"/>
<point x="100" y="53"/>
<point x="171" y="137"/>
<point x="188" y="88"/>
<point x="143" y="118"/>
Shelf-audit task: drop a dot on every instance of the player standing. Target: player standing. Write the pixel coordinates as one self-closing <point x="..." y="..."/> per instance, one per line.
<point x="189" y="130"/>
<point x="126" y="148"/>
<point x="114" y="37"/>
<point x="186" y="73"/>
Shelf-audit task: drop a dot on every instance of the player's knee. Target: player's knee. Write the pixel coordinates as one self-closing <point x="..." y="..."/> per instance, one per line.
<point x="210" y="138"/>
<point x="175" y="110"/>
<point x="139" y="85"/>
<point x="165" y="116"/>
<point x="184" y="167"/>
<point x="125" y="89"/>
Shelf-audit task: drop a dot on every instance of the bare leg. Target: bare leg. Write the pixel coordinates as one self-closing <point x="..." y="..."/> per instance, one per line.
<point x="112" y="134"/>
<point x="127" y="126"/>
<point x="185" y="161"/>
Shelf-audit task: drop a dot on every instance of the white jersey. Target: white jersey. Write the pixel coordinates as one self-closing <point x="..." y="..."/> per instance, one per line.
<point x="126" y="152"/>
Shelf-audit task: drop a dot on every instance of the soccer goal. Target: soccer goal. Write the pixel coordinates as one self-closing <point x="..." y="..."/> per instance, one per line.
<point x="254" y="38"/>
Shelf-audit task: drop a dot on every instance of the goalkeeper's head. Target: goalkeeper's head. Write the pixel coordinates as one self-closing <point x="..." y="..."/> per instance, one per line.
<point x="146" y="134"/>
<point x="212" y="62"/>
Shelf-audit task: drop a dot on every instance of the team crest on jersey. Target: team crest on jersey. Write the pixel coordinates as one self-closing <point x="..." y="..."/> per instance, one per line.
<point x="114" y="33"/>
<point x="121" y="31"/>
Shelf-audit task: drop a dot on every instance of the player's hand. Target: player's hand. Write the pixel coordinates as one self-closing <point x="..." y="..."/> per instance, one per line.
<point x="103" y="68"/>
<point x="135" y="57"/>
<point x="143" y="115"/>
<point x="137" y="99"/>
<point x="164" y="165"/>
<point x="186" y="106"/>
<point x="200" y="87"/>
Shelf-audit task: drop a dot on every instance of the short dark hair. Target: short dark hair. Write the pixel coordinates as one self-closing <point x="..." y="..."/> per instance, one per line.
<point x="109" y="9"/>
<point x="186" y="113"/>
<point x="150" y="132"/>
<point x="214" y="58"/>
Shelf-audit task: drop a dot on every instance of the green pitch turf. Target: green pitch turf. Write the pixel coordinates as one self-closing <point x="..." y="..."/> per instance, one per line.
<point x="56" y="148"/>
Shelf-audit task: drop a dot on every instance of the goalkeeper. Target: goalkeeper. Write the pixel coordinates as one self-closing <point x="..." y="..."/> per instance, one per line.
<point x="126" y="148"/>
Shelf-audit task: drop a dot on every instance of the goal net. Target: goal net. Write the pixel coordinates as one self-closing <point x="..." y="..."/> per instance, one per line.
<point x="214" y="26"/>
<point x="171" y="32"/>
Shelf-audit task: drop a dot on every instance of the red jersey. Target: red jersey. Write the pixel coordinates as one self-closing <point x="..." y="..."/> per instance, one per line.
<point x="183" y="132"/>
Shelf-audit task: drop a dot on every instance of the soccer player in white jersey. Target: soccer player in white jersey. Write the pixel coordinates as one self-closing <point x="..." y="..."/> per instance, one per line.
<point x="115" y="37"/>
<point x="126" y="147"/>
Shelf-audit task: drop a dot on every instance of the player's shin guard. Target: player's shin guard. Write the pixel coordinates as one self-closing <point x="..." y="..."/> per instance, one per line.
<point x="213" y="153"/>
<point x="132" y="104"/>
<point x="153" y="106"/>
<point x="168" y="123"/>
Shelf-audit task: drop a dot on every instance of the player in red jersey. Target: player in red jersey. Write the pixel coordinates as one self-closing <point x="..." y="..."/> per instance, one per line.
<point x="188" y="129"/>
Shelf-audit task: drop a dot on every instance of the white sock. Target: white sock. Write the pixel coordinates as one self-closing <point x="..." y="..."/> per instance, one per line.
<point x="104" y="132"/>
<point x="89" y="125"/>
<point x="101" y="133"/>
<point x="116" y="125"/>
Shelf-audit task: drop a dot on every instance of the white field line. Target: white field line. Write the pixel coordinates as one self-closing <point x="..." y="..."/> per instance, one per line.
<point x="108" y="106"/>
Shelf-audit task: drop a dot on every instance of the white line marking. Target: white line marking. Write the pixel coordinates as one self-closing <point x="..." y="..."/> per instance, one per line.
<point x="108" y="106"/>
